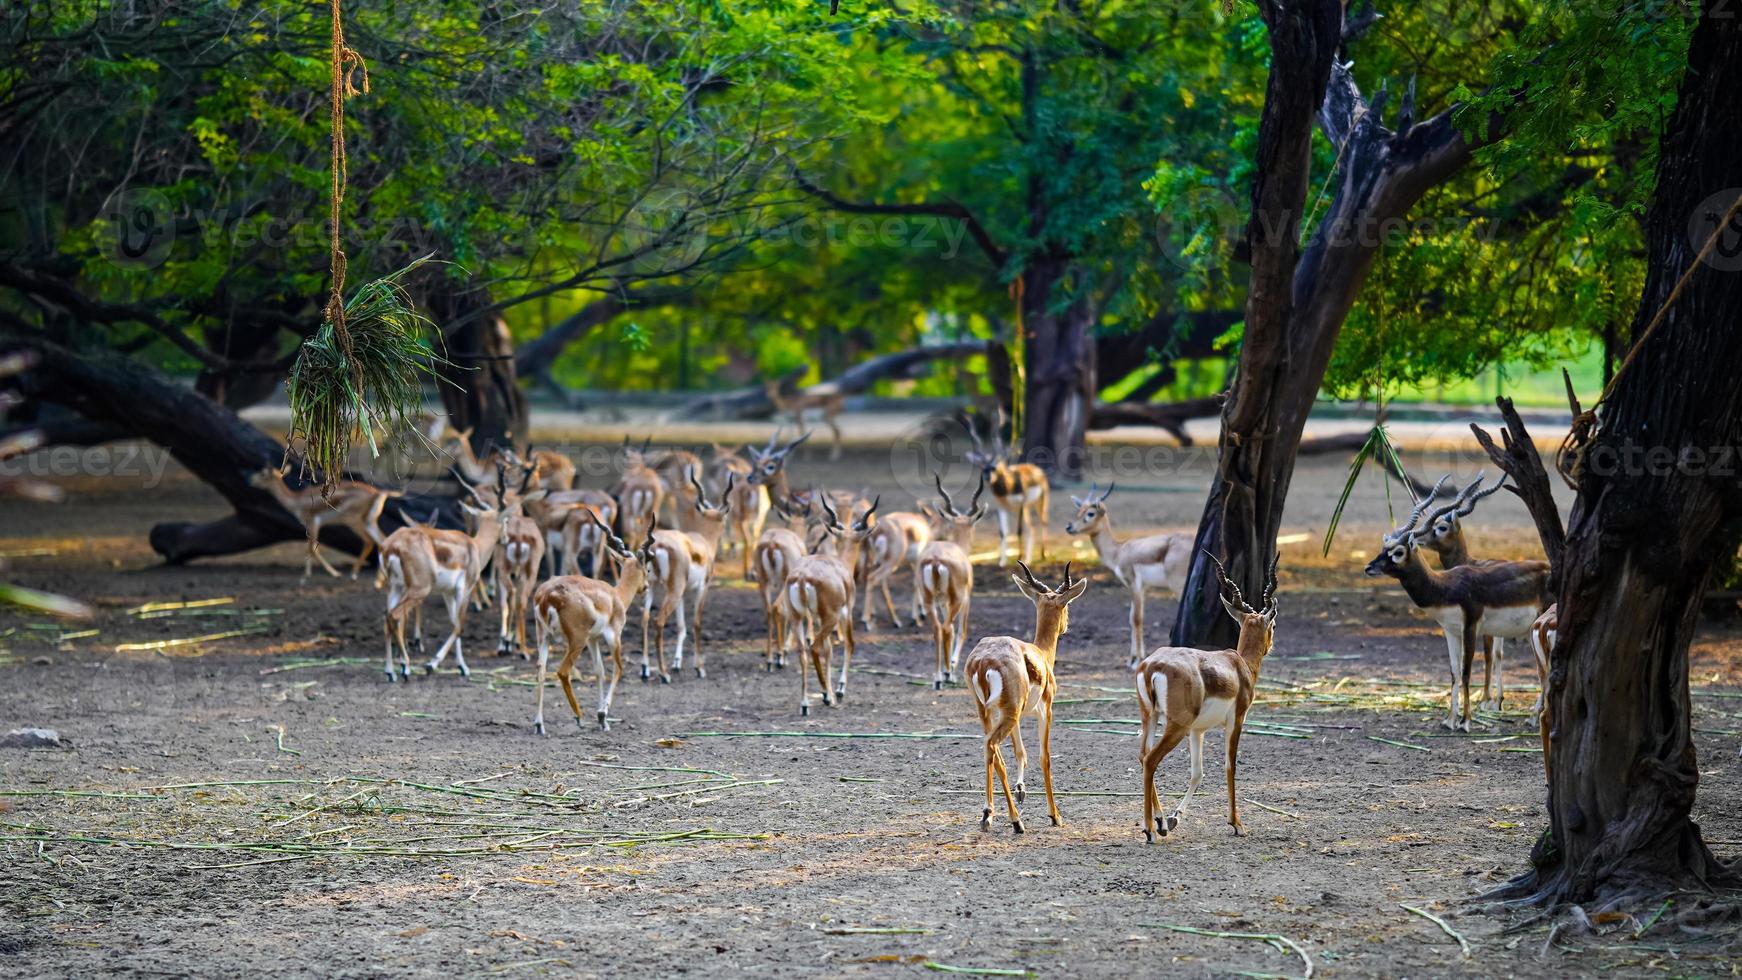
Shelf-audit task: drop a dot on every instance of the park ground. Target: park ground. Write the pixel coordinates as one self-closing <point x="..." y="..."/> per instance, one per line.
<point x="259" y="800"/>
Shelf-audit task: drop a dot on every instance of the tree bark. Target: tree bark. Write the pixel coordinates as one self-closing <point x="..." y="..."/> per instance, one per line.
<point x="480" y="388"/>
<point x="213" y="442"/>
<point x="1656" y="510"/>
<point x="1059" y="384"/>
<point x="1298" y="300"/>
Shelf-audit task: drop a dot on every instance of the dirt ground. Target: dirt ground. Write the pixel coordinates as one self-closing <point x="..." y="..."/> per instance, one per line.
<point x="266" y="803"/>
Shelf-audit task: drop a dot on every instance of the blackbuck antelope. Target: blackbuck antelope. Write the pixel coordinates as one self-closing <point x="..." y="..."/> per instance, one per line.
<point x="1018" y="490"/>
<point x="1501" y="600"/>
<point x="819" y="599"/>
<point x="1186" y="692"/>
<point x="1445" y="538"/>
<point x="1158" y="560"/>
<point x="678" y="468"/>
<point x="944" y="577"/>
<point x="518" y="557"/>
<point x="750" y="501"/>
<point x="590" y="615"/>
<point x="417" y="560"/>
<point x="582" y="535"/>
<point x="824" y="399"/>
<point x="894" y="545"/>
<point x="352" y="505"/>
<point x="679" y="568"/>
<point x="477" y="470"/>
<point x="1010" y="678"/>
<point x="768" y="466"/>
<point x="638" y="494"/>
<point x="777" y="550"/>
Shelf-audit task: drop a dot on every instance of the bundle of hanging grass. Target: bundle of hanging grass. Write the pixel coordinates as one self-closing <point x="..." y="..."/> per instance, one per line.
<point x="360" y="373"/>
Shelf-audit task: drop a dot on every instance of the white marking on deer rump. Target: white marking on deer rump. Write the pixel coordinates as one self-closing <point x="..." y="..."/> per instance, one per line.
<point x="1216" y="713"/>
<point x="1507" y="621"/>
<point x="518" y="551"/>
<point x="1031" y="495"/>
<point x="449" y="579"/>
<point x="1158" y="696"/>
<point x="993" y="682"/>
<point x="1152" y="574"/>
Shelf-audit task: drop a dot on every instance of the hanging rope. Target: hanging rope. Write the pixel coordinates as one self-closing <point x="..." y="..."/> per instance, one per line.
<point x="1570" y="458"/>
<point x="343" y="60"/>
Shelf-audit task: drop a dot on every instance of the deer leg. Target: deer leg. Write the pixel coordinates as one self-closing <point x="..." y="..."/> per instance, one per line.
<point x="599" y="667"/>
<point x="1004" y="782"/>
<point x="1022" y="541"/>
<point x="565" y="675"/>
<point x="1046" y="758"/>
<point x="1229" y="765"/>
<point x="616" y="675"/>
<point x="1487" y="671"/>
<point x="888" y="601"/>
<point x="986" y="814"/>
<point x="846" y="658"/>
<point x="543" y="660"/>
<point x="457" y="609"/>
<point x="804" y="694"/>
<point x="676" y="598"/>
<point x="362" y="553"/>
<point x="502" y="643"/>
<point x="701" y="657"/>
<point x="1146" y="716"/>
<point x="870" y="587"/>
<point x="940" y="633"/>
<point x="1196" y="748"/>
<point x="959" y="633"/>
<point x="646" y="617"/>
<point x="1469" y="659"/>
<point x="387" y="628"/>
<point x="1497" y="660"/>
<point x="1003" y="536"/>
<point x="1136" y="625"/>
<point x="822" y="648"/>
<point x="1040" y="518"/>
<point x="835" y="451"/>
<point x="1154" y="825"/>
<point x="1455" y="653"/>
<point x="1020" y="753"/>
<point x="314" y="536"/>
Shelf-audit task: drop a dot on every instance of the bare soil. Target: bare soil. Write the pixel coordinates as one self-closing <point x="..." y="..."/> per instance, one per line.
<point x="354" y="828"/>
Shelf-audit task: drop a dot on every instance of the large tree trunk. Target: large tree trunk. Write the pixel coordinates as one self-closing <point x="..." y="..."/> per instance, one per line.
<point x="1298" y="300"/>
<point x="1059" y="370"/>
<point x="1657" y="508"/>
<point x="213" y="442"/>
<point x="480" y="387"/>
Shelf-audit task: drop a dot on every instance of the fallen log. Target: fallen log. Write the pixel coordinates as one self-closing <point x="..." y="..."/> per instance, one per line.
<point x="210" y="440"/>
<point x="1171" y="416"/>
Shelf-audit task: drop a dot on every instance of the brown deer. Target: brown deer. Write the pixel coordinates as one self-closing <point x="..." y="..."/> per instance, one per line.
<point x="1010" y="678"/>
<point x="777" y="550"/>
<point x="1018" y="489"/>
<point x="944" y="577"/>
<point x="1501" y="600"/>
<point x="819" y="599"/>
<point x="639" y="493"/>
<point x="1149" y="560"/>
<point x="1183" y="692"/>
<point x="826" y="399"/>
<point x="679" y="569"/>
<point x="352" y="505"/>
<point x="589" y="614"/>
<point x="1445" y="538"/>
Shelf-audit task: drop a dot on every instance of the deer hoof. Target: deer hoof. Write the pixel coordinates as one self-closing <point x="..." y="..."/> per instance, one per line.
<point x="700" y="673"/>
<point x="665" y="678"/>
<point x="428" y="669"/>
<point x="1172" y="822"/>
<point x="405" y="672"/>
<point x="1239" y="830"/>
<point x="390" y="677"/>
<point x="937" y="684"/>
<point x="804" y="710"/>
<point x="1016" y="826"/>
<point x="985" y="820"/>
<point x="840" y="695"/>
<point x="1058" y="821"/>
<point x="1021" y="793"/>
<point x="538" y="727"/>
<point x="1148" y="836"/>
<point x="604" y="725"/>
<point x="465" y="673"/>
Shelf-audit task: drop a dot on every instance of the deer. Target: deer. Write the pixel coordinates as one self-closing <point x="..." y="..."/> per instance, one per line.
<point x="579" y="534"/>
<point x="1017" y="489"/>
<point x="826" y="398"/>
<point x="1010" y="678"/>
<point x="519" y="556"/>
<point x="679" y="567"/>
<point x="777" y="550"/>
<point x="1138" y="563"/>
<point x="418" y="560"/>
<point x="675" y="467"/>
<point x="768" y="466"/>
<point x="639" y="493"/>
<point x="895" y="544"/>
<point x="1185" y="692"/>
<point x="750" y="501"/>
<point x="1501" y="600"/>
<point x="552" y="470"/>
<point x="352" y="505"/>
<point x="944" y="577"/>
<point x="589" y="614"/>
<point x="1445" y="538"/>
<point x="819" y="599"/>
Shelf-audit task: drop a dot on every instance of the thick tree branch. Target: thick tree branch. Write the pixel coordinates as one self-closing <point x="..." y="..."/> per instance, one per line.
<point x="946" y="209"/>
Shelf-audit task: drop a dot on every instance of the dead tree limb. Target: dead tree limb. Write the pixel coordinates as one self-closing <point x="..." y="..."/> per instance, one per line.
<point x="1517" y="456"/>
<point x="747" y="403"/>
<point x="1171" y="416"/>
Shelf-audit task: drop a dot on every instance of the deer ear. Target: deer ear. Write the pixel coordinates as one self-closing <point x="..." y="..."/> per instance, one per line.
<point x="1023" y="586"/>
<point x="1074" y="591"/>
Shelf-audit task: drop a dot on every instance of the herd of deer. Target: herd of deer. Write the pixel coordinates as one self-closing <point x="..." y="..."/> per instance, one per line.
<point x="660" y="532"/>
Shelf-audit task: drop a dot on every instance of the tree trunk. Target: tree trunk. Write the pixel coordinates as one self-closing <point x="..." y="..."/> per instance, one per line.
<point x="213" y="442"/>
<point x="480" y="388"/>
<point x="1658" y="507"/>
<point x="1298" y="300"/>
<point x="1059" y="370"/>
